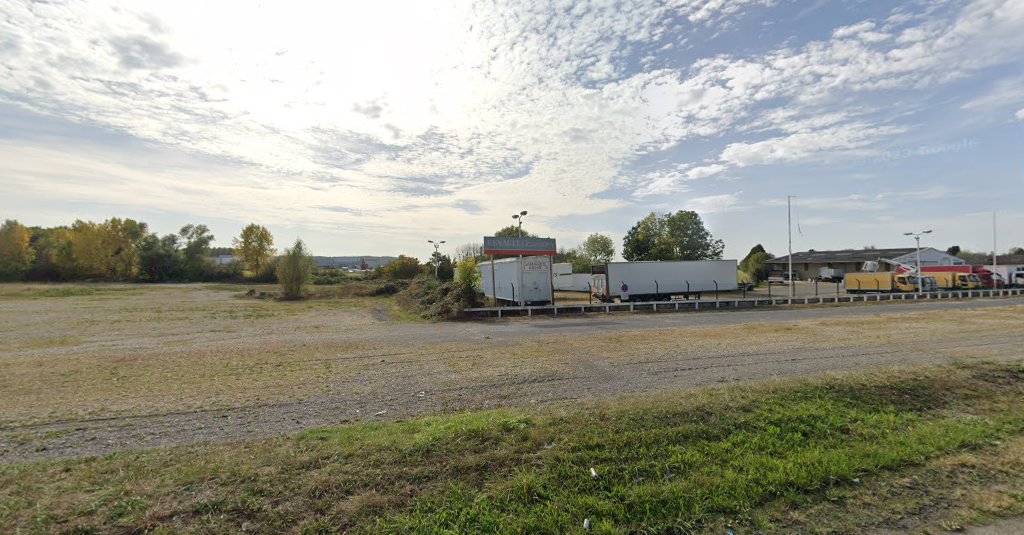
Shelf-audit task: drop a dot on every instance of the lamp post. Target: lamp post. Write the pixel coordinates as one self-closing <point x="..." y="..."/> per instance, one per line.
<point x="519" y="217"/>
<point x="437" y="255"/>
<point x="917" y="238"/>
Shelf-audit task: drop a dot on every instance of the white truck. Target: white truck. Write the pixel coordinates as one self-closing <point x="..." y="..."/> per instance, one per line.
<point x="828" y="274"/>
<point x="525" y="280"/>
<point x="662" y="280"/>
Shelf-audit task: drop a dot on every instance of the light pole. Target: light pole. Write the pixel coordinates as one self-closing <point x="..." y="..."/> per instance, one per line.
<point x="437" y="255"/>
<point x="520" y="217"/>
<point x="917" y="238"/>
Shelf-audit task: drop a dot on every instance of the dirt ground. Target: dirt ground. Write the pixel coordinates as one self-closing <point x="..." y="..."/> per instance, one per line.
<point x="96" y="369"/>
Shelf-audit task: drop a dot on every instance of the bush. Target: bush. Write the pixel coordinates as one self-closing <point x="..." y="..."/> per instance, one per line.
<point x="266" y="273"/>
<point x="467" y="274"/>
<point x="294" y="270"/>
<point x="401" y="268"/>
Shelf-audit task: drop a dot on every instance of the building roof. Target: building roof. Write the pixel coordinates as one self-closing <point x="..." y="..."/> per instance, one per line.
<point x="849" y="255"/>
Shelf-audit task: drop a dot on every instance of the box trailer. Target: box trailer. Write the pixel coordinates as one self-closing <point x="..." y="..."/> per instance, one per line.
<point x="886" y="281"/>
<point x="661" y="280"/>
<point x="517" y="280"/>
<point x="566" y="281"/>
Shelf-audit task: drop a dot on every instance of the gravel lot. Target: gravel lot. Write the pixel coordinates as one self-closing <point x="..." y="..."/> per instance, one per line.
<point x="120" y="367"/>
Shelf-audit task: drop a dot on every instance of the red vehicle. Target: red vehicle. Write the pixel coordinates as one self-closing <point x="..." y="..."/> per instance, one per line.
<point x="984" y="275"/>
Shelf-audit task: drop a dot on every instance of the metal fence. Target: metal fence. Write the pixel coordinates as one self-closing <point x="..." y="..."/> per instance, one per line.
<point x="682" y="306"/>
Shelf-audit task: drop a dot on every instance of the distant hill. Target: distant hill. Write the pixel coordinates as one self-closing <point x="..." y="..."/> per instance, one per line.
<point x="351" y="261"/>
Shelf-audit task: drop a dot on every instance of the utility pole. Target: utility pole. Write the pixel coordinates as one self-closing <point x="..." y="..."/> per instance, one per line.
<point x="995" y="255"/>
<point x="789" y="225"/>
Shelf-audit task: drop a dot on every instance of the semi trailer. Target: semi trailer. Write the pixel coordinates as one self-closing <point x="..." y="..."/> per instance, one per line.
<point x="520" y="280"/>
<point x="661" y="280"/>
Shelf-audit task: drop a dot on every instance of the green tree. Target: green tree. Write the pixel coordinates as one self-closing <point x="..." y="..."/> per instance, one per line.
<point x="756" y="266"/>
<point x="16" y="252"/>
<point x="160" y="259"/>
<point x="255" y="247"/>
<point x="1016" y="251"/>
<point x="954" y="250"/>
<point x="678" y="236"/>
<point x="126" y="237"/>
<point x="196" y="250"/>
<point x="512" y="231"/>
<point x="54" y="259"/>
<point x="294" y="270"/>
<point x="598" y="248"/>
<point x="445" y="268"/>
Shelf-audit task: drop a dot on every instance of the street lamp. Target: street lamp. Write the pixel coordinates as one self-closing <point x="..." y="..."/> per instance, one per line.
<point x="917" y="238"/>
<point x="520" y="217"/>
<point x="437" y="255"/>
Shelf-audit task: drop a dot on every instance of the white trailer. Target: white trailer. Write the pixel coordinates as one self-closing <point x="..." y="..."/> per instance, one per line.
<point x="525" y="280"/>
<point x="655" y="281"/>
<point x="566" y="281"/>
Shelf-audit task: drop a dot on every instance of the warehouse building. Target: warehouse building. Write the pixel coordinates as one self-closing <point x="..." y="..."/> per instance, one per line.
<point x="807" y="265"/>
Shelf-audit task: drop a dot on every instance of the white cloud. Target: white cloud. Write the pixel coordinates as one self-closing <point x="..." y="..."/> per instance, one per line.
<point x="1005" y="92"/>
<point x="715" y="203"/>
<point x="405" y="108"/>
<point x="1020" y="114"/>
<point x="845" y="140"/>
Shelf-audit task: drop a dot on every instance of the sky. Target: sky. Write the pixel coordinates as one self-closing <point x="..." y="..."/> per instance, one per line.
<point x="371" y="127"/>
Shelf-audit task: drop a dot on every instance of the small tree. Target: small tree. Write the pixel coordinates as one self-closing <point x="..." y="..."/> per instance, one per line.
<point x="467" y="275"/>
<point x="255" y="247"/>
<point x="294" y="270"/>
<point x="756" y="265"/>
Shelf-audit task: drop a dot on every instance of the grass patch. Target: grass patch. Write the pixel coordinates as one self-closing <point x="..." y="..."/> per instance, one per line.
<point x="665" y="464"/>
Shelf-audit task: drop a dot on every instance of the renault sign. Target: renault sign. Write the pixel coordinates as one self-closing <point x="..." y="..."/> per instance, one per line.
<point x="519" y="246"/>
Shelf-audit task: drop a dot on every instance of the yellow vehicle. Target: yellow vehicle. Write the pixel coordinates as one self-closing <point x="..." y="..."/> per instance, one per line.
<point x="948" y="280"/>
<point x="886" y="281"/>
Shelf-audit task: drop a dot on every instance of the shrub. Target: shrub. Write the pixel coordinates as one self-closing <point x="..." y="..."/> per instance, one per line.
<point x="467" y="274"/>
<point x="401" y="268"/>
<point x="294" y="270"/>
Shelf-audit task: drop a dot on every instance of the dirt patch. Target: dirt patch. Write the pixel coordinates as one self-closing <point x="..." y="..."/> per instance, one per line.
<point x="182" y="364"/>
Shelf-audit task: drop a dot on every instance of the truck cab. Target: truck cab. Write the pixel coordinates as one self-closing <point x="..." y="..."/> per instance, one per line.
<point x="909" y="283"/>
<point x="968" y="281"/>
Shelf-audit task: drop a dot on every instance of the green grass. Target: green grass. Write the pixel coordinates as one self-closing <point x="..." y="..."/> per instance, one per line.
<point x="665" y="464"/>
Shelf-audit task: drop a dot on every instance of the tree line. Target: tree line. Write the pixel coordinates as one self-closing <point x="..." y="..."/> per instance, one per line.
<point x="125" y="250"/>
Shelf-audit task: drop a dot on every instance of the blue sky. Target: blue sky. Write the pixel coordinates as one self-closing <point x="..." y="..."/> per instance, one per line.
<point x="368" y="129"/>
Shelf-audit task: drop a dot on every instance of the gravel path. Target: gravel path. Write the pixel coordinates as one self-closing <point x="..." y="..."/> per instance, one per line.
<point x="379" y="370"/>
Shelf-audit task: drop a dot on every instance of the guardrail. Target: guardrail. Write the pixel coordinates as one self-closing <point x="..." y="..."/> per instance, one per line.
<point x="656" y="306"/>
